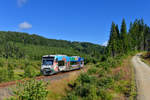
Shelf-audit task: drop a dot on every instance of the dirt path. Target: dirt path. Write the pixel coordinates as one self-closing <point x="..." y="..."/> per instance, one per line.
<point x="142" y="75"/>
<point x="6" y="88"/>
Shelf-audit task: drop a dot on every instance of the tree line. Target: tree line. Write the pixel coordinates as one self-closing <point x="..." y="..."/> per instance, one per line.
<point x="123" y="41"/>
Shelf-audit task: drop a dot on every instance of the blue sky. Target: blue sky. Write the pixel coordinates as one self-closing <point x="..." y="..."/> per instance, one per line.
<point x="75" y="20"/>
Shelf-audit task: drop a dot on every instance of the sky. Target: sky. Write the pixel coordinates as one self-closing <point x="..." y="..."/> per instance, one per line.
<point x="73" y="20"/>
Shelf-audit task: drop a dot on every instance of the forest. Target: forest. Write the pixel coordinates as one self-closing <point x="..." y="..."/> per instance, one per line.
<point x="123" y="41"/>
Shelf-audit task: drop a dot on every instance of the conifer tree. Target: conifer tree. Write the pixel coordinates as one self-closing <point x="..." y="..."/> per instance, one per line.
<point x="112" y="45"/>
<point x="146" y="37"/>
<point x="117" y="30"/>
<point x="123" y="37"/>
<point x="119" y="47"/>
<point x="141" y="35"/>
<point x="133" y="33"/>
<point x="130" y="37"/>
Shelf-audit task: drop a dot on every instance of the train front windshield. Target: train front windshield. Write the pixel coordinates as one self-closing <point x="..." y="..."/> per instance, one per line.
<point x="48" y="60"/>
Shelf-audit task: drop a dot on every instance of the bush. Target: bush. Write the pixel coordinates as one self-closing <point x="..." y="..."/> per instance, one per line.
<point x="30" y="90"/>
<point x="29" y="71"/>
<point x="102" y="73"/>
<point x="2" y="62"/>
<point x="92" y="93"/>
<point x="106" y="82"/>
<point x="122" y="87"/>
<point x="85" y="78"/>
<point x="3" y="74"/>
<point x="86" y="91"/>
<point x="104" y="95"/>
<point x="92" y="70"/>
<point x="10" y="72"/>
<point x="71" y="96"/>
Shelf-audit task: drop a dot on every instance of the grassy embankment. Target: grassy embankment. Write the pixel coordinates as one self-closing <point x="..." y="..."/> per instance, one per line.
<point x="109" y="80"/>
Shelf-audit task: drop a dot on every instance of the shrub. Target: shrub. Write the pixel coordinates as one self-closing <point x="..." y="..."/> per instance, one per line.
<point x="92" y="93"/>
<point x="92" y="70"/>
<point x="2" y="62"/>
<point x="104" y="95"/>
<point x="29" y="71"/>
<point x="118" y="76"/>
<point x="102" y="73"/>
<point x="3" y="74"/>
<point x="10" y="72"/>
<point x="106" y="82"/>
<point x="85" y="78"/>
<point x="71" y="96"/>
<point x="122" y="87"/>
<point x="30" y="90"/>
<point x="86" y="91"/>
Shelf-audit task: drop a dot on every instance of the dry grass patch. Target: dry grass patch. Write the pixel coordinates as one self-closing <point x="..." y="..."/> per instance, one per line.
<point x="125" y="73"/>
<point x="57" y="88"/>
<point x="124" y="69"/>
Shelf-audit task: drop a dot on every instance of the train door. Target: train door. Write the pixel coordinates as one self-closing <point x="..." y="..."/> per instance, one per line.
<point x="61" y="65"/>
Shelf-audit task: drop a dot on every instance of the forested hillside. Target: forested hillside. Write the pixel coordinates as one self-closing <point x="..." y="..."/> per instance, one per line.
<point x="22" y="45"/>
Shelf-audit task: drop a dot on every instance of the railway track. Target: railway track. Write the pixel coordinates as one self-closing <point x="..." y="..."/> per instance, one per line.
<point x="5" y="84"/>
<point x="5" y="90"/>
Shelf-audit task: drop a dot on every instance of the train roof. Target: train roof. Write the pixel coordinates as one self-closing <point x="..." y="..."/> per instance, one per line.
<point x="54" y="55"/>
<point x="68" y="58"/>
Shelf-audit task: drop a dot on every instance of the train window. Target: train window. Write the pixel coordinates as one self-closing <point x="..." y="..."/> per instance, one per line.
<point x="61" y="63"/>
<point x="47" y="62"/>
<point x="74" y="63"/>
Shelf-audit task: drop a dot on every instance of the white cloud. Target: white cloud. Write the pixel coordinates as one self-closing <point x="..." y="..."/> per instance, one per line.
<point x="105" y="43"/>
<point x="25" y="25"/>
<point x="21" y="2"/>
